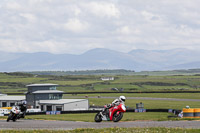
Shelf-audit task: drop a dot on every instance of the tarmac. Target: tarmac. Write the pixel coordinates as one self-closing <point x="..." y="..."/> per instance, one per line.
<point x="69" y="125"/>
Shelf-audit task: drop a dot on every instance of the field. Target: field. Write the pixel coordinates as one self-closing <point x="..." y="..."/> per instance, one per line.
<point x="110" y="130"/>
<point x="89" y="117"/>
<point x="16" y="83"/>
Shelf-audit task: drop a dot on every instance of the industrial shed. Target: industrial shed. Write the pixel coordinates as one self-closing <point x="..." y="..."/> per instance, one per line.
<point x="64" y="104"/>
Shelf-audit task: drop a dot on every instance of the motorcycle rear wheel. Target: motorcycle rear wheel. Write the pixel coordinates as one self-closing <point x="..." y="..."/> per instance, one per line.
<point x="97" y="117"/>
<point x="118" y="117"/>
<point x="9" y="117"/>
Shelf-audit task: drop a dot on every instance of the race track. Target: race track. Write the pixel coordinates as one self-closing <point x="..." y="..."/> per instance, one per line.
<point x="68" y="125"/>
<point x="141" y="98"/>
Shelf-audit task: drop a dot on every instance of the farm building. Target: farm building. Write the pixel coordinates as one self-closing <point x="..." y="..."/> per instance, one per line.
<point x="107" y="78"/>
<point x="48" y="98"/>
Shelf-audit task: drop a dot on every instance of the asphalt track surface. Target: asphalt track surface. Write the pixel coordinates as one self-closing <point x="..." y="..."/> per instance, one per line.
<point x="69" y="125"/>
<point x="142" y="98"/>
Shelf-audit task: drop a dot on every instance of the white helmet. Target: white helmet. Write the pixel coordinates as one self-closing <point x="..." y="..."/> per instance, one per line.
<point x="122" y="98"/>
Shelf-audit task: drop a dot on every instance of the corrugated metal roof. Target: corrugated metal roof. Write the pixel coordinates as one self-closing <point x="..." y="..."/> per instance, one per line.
<point x="47" y="84"/>
<point x="12" y="98"/>
<point x="47" y="91"/>
<point x="60" y="101"/>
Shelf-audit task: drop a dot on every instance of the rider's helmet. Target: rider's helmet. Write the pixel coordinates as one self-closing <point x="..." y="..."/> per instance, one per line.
<point x="122" y="98"/>
<point x="24" y="102"/>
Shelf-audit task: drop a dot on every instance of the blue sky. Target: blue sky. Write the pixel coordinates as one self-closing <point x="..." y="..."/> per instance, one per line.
<point x="75" y="26"/>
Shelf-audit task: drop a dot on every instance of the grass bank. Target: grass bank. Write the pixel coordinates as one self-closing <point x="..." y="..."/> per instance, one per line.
<point x="109" y="130"/>
<point x="154" y="116"/>
<point x="128" y="116"/>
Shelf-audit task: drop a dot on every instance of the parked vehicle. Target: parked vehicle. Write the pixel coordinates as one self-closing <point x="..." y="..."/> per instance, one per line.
<point x="112" y="114"/>
<point x="15" y="114"/>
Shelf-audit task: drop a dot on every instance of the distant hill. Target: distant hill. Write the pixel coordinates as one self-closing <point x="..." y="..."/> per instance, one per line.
<point x="95" y="59"/>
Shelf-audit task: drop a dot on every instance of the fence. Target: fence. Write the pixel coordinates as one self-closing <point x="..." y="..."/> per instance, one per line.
<point x="174" y="111"/>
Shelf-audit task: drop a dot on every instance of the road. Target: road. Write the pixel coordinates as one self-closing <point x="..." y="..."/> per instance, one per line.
<point x="68" y="125"/>
<point x="140" y="98"/>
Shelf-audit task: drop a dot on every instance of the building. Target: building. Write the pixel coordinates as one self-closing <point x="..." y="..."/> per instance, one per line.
<point x="107" y="78"/>
<point x="9" y="101"/>
<point x="37" y="92"/>
<point x="64" y="104"/>
<point x="48" y="98"/>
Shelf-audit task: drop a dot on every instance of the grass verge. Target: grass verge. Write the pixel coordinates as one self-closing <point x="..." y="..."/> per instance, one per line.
<point x="109" y="130"/>
<point x="128" y="116"/>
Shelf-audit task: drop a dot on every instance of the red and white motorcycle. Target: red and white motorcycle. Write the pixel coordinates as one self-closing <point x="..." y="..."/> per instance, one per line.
<point x="113" y="114"/>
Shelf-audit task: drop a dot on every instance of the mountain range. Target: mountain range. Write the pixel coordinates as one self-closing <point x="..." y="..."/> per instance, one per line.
<point x="99" y="58"/>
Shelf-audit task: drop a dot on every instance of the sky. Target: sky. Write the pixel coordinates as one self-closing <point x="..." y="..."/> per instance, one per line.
<point x="76" y="26"/>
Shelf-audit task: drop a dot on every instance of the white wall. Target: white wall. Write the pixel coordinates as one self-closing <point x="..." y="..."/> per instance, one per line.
<point x="80" y="105"/>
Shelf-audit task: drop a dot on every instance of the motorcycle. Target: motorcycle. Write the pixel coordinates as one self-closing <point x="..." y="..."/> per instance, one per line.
<point x="113" y="114"/>
<point x="15" y="114"/>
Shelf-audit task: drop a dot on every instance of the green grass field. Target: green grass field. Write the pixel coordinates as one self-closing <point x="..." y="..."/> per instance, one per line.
<point x="89" y="117"/>
<point x="16" y="83"/>
<point x="110" y="130"/>
<point x="13" y="83"/>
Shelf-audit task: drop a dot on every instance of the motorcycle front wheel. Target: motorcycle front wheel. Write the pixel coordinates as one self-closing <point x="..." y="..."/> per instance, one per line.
<point x="117" y="117"/>
<point x="14" y="118"/>
<point x="98" y="117"/>
<point x="8" y="119"/>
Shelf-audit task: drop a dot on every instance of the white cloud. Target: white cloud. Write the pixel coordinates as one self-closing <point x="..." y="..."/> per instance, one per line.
<point x="12" y="5"/>
<point x="29" y="17"/>
<point x="126" y="30"/>
<point x="103" y="9"/>
<point x="77" y="26"/>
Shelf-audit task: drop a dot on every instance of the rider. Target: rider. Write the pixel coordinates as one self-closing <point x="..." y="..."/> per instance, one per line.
<point x="23" y="108"/>
<point x="116" y="102"/>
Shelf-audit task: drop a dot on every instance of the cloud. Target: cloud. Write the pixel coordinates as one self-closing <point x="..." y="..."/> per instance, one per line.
<point x="77" y="26"/>
<point x="126" y="30"/>
<point x="12" y="5"/>
<point x="103" y="9"/>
